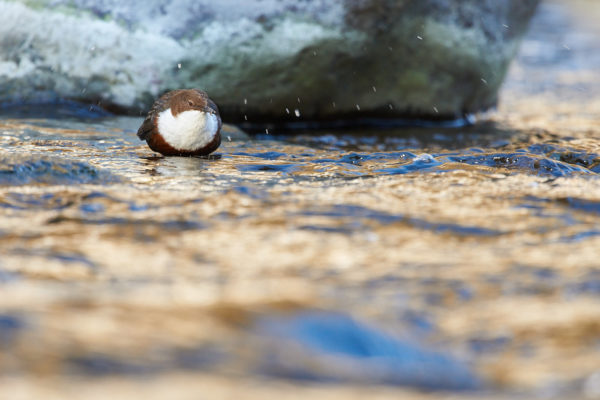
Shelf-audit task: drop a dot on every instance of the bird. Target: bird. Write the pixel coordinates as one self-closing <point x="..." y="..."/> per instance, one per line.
<point x="183" y="122"/>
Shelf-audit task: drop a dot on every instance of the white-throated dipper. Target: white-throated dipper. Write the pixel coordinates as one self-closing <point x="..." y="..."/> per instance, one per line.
<point x="182" y="122"/>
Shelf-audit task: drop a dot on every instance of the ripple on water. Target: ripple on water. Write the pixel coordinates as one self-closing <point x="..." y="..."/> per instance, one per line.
<point x="545" y="160"/>
<point x="569" y="211"/>
<point x="422" y="162"/>
<point x="329" y="346"/>
<point x="267" y="155"/>
<point x="171" y="225"/>
<point x="364" y="214"/>
<point x="252" y="192"/>
<point x="587" y="285"/>
<point x="281" y="168"/>
<point x="579" y="157"/>
<point x="34" y="201"/>
<point x="101" y="364"/>
<point x="163" y="359"/>
<point x="10" y="326"/>
<point x="537" y="165"/>
<point x="587" y="206"/>
<point x="68" y="258"/>
<point x="48" y="170"/>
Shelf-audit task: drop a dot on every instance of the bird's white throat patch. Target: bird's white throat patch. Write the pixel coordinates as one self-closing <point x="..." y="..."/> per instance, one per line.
<point x="189" y="130"/>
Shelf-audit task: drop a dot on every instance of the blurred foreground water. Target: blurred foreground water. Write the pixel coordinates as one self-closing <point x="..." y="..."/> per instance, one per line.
<point x="340" y="264"/>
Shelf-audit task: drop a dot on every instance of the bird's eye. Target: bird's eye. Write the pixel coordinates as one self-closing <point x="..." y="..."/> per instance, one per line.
<point x="191" y="103"/>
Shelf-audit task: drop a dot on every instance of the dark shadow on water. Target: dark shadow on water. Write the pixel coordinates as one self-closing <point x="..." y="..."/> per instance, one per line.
<point x="268" y="155"/>
<point x="63" y="257"/>
<point x="487" y="345"/>
<point x="579" y="236"/>
<point x="103" y="365"/>
<point x="482" y="134"/>
<point x="589" y="284"/>
<point x="61" y="109"/>
<point x="22" y="170"/>
<point x="215" y="156"/>
<point x="587" y="206"/>
<point x="10" y="327"/>
<point x="373" y="121"/>
<point x="281" y="168"/>
<point x="30" y="201"/>
<point x="343" y="228"/>
<point x="568" y="211"/>
<point x="168" y="225"/>
<point x="162" y="361"/>
<point x="362" y="215"/>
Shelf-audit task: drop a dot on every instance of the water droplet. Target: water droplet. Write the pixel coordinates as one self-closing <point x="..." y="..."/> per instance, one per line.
<point x="484" y="81"/>
<point x="314" y="53"/>
<point x="298" y="99"/>
<point x="287" y="110"/>
<point x="333" y="104"/>
<point x="419" y="37"/>
<point x="358" y="107"/>
<point x="246" y="117"/>
<point x="229" y="138"/>
<point x="179" y="66"/>
<point x="297" y="112"/>
<point x="267" y="131"/>
<point x="92" y="48"/>
<point x="504" y="25"/>
<point x="436" y="109"/>
<point x="245" y="101"/>
<point x="391" y="107"/>
<point x="374" y="89"/>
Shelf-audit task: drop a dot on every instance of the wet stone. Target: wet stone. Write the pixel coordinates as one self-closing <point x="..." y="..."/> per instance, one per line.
<point x="437" y="58"/>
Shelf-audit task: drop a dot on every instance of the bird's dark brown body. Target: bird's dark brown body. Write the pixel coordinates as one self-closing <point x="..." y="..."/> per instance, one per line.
<point x="182" y="123"/>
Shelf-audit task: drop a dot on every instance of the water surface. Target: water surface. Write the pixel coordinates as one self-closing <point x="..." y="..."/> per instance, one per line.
<point x="352" y="262"/>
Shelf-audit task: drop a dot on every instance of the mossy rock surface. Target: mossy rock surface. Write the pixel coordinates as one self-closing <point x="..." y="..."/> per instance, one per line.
<point x="265" y="60"/>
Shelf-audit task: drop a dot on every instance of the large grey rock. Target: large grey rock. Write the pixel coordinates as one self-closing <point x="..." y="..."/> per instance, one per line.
<point x="265" y="60"/>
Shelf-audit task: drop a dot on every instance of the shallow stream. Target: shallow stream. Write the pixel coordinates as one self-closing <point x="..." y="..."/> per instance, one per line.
<point x="335" y="263"/>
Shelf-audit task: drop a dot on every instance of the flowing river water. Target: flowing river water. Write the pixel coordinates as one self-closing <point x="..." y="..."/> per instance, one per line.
<point x="416" y="262"/>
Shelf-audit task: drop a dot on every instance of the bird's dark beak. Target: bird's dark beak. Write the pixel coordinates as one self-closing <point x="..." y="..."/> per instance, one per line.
<point x="208" y="110"/>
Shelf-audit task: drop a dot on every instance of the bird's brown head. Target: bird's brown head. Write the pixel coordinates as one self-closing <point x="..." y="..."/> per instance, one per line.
<point x="187" y="100"/>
